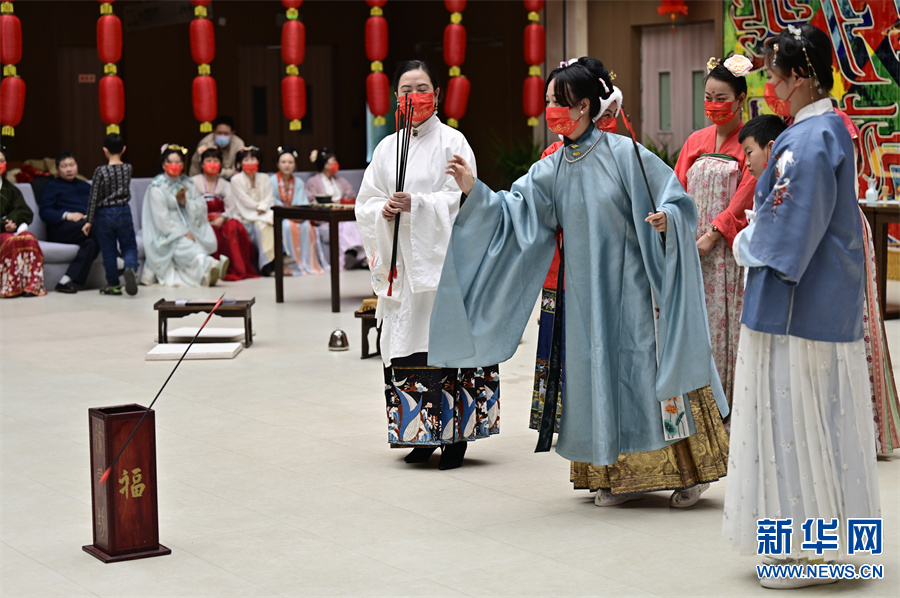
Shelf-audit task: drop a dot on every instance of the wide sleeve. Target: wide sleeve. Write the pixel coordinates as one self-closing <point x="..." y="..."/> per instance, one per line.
<point x="16" y="209"/>
<point x="198" y="216"/>
<point x="376" y="232"/>
<point x="793" y="218"/>
<point x="161" y="211"/>
<point x="240" y="202"/>
<point x="300" y="197"/>
<point x="673" y="267"/>
<point x="347" y="191"/>
<point x="313" y="187"/>
<point x="266" y="193"/>
<point x="501" y="246"/>
<point x="692" y="148"/>
<point x="427" y="230"/>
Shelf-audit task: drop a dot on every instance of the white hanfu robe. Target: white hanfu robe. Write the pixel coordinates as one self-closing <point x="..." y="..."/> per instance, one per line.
<point x="172" y="259"/>
<point x="245" y="200"/>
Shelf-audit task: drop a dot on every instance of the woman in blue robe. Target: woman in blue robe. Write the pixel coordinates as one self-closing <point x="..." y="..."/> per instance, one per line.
<point x="626" y="358"/>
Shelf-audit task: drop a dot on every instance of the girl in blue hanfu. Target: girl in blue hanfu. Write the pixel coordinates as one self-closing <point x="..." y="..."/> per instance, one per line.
<point x="620" y="372"/>
<point x="802" y="425"/>
<point x="427" y="407"/>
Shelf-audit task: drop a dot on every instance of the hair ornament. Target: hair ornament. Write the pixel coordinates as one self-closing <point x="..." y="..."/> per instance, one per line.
<point x="569" y="62"/>
<point x="738" y="65"/>
<point x="795" y="31"/>
<point x="313" y="155"/>
<point x="612" y="76"/>
<point x="712" y="63"/>
<point x="172" y="146"/>
<point x="603" y="83"/>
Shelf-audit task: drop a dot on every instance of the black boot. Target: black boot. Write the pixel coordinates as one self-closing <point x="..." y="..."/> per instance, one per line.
<point x="420" y="454"/>
<point x="452" y="455"/>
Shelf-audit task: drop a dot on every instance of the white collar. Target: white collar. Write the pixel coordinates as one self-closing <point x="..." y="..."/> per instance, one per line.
<point x="817" y="108"/>
<point x="430" y="124"/>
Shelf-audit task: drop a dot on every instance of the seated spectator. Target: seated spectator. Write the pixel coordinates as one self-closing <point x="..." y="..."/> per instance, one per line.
<point x="231" y="236"/>
<point x="229" y="144"/>
<point x="21" y="259"/>
<point x="327" y="186"/>
<point x="251" y="201"/>
<point x="63" y="207"/>
<point x="178" y="239"/>
<point x="304" y="248"/>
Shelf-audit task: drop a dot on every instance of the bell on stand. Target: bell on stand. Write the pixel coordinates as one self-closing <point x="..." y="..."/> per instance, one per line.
<point x="338" y="341"/>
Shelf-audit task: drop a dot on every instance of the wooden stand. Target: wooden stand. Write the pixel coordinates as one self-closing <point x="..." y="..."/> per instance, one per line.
<point x="369" y="322"/>
<point x="126" y="518"/>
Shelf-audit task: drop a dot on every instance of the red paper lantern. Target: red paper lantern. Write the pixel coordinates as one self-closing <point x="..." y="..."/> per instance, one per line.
<point x="204" y="98"/>
<point x="376" y="38"/>
<point x="12" y="103"/>
<point x="112" y="100"/>
<point x="10" y="39"/>
<point x="457" y="97"/>
<point x="203" y="41"/>
<point x="109" y="38"/>
<point x="378" y="94"/>
<point x="293" y="42"/>
<point x="295" y="4"/>
<point x="454" y="44"/>
<point x="534" y="5"/>
<point x="200" y="2"/>
<point x="535" y="44"/>
<point x="376" y="3"/>
<point x="533" y="97"/>
<point x="293" y="98"/>
<point x="455" y="5"/>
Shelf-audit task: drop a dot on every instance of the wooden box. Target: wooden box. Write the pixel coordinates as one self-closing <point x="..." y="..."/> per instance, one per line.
<point x="125" y="513"/>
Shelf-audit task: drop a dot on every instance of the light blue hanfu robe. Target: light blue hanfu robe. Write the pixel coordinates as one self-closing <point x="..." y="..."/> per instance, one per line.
<point x="618" y="369"/>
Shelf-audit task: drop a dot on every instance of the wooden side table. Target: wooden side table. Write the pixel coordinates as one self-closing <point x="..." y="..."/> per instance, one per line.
<point x="367" y="319"/>
<point x="235" y="308"/>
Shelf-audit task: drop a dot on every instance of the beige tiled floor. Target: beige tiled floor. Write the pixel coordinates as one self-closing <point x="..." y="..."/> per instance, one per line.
<point x="275" y="478"/>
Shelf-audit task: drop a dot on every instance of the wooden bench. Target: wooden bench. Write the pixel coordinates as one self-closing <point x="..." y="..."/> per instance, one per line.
<point x="230" y="308"/>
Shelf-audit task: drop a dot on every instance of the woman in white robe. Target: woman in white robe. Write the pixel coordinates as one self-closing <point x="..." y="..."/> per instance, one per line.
<point x="427" y="407"/>
<point x="251" y="199"/>
<point x="178" y="239"/>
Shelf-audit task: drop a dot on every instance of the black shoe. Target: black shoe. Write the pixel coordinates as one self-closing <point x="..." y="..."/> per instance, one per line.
<point x="268" y="269"/>
<point x="452" y="455"/>
<point x="420" y="454"/>
<point x="66" y="287"/>
<point x="130" y="281"/>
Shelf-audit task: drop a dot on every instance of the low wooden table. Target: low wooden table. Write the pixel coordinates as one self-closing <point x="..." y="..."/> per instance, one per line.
<point x="879" y="216"/>
<point x="235" y="308"/>
<point x="318" y="212"/>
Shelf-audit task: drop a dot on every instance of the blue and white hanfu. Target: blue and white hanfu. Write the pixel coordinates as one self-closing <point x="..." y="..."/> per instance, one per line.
<point x="621" y="361"/>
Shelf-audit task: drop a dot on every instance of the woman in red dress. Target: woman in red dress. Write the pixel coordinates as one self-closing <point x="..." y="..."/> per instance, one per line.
<point x="21" y="259"/>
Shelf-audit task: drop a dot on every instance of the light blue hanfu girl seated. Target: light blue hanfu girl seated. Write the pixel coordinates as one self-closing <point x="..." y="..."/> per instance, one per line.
<point x="636" y="331"/>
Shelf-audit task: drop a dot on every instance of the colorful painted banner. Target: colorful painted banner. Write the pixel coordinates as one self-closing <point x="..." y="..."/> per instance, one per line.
<point x="866" y="40"/>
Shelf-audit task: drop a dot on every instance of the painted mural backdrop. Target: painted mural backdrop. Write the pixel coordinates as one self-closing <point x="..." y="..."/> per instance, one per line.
<point x="866" y="40"/>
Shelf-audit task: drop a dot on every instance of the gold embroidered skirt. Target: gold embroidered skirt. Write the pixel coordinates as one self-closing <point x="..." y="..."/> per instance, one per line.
<point x="700" y="458"/>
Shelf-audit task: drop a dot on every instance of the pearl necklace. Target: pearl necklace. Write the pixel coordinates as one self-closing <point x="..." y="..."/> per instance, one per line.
<point x="583" y="154"/>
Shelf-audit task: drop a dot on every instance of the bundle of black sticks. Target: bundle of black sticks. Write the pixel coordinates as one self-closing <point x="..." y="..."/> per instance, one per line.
<point x="401" y="149"/>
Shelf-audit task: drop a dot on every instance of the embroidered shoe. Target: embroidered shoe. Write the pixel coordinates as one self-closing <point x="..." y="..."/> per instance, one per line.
<point x="605" y="498"/>
<point x="681" y="499"/>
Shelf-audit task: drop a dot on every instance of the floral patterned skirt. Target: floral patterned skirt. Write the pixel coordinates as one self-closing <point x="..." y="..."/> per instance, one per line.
<point x="21" y="265"/>
<point x="428" y="406"/>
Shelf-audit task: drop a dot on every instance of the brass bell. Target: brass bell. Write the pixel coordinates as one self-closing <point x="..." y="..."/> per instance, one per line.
<point x="338" y="341"/>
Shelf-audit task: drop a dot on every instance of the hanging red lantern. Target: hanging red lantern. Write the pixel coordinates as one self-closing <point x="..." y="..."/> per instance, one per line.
<point x="454" y="44"/>
<point x="376" y="3"/>
<point x="535" y="44"/>
<point x="12" y="104"/>
<point x="109" y="39"/>
<point x="378" y="93"/>
<point x="293" y="100"/>
<point x="376" y="38"/>
<point x="457" y="99"/>
<point x="204" y="97"/>
<point x="203" y="41"/>
<point x="10" y="39"/>
<point x="534" y="5"/>
<point x="293" y="42"/>
<point x="112" y="100"/>
<point x="295" y="4"/>
<point x="455" y="5"/>
<point x="533" y="99"/>
<point x="671" y="8"/>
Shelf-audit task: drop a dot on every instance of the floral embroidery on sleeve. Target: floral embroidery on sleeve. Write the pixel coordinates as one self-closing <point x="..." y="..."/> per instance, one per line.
<point x="780" y="190"/>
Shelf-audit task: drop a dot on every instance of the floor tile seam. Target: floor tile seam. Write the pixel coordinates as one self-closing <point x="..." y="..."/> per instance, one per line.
<point x="49" y="568"/>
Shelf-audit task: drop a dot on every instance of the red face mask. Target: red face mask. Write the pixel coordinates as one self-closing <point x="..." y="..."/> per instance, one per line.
<point x="558" y="120"/>
<point x="173" y="170"/>
<point x="778" y="106"/>
<point x="250" y="169"/>
<point x="2" y="168"/>
<point x="333" y="167"/>
<point x="422" y="105"/>
<point x="212" y="168"/>
<point x="608" y="125"/>
<point x="719" y="112"/>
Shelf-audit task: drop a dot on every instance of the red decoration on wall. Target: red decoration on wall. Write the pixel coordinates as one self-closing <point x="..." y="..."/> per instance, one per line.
<point x="457" y="98"/>
<point x="109" y="39"/>
<point x="377" y="85"/>
<point x="533" y="97"/>
<point x="535" y="46"/>
<point x="12" y="88"/>
<point x="203" y="51"/>
<point x="204" y="98"/>
<point x="112" y="100"/>
<point x="293" y="52"/>
<point x="111" y="91"/>
<point x="454" y="56"/>
<point x="672" y="7"/>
